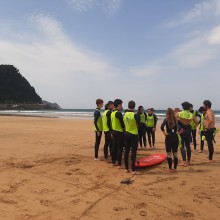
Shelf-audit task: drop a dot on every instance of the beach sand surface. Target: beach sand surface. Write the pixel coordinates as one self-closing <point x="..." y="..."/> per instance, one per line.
<point x="48" y="171"/>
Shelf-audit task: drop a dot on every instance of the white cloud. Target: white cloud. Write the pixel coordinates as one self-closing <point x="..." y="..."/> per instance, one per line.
<point x="52" y="62"/>
<point x="200" y="12"/>
<point x="109" y="6"/>
<point x="215" y="36"/>
<point x="191" y="55"/>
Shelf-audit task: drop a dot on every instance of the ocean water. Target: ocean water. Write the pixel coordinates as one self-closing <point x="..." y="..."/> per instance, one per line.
<point x="77" y="113"/>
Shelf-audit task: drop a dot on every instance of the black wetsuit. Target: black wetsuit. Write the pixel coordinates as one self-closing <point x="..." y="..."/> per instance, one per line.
<point x="118" y="141"/>
<point x="209" y="138"/>
<point x="108" y="136"/>
<point x="193" y="132"/>
<point x="131" y="143"/>
<point x="151" y="132"/>
<point x="97" y="114"/>
<point x="171" y="143"/>
<point x="142" y="129"/>
<point x="185" y="136"/>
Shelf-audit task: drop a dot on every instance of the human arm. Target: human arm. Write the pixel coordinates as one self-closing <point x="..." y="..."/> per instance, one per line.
<point x="109" y="124"/>
<point x="162" y="127"/>
<point x="97" y="114"/>
<point x="119" y="116"/>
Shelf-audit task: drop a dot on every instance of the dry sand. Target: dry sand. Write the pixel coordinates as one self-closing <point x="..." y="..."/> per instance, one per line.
<point x="48" y="172"/>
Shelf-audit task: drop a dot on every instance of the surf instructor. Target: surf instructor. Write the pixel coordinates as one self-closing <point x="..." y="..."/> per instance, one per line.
<point x="209" y="123"/>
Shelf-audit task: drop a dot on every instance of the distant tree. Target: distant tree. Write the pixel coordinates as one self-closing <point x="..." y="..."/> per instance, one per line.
<point x="14" y="88"/>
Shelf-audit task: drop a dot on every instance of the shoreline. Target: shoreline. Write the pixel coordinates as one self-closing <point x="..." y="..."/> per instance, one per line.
<point x="75" y="117"/>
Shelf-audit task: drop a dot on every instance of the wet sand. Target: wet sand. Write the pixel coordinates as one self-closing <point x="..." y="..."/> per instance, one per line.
<point x="48" y="172"/>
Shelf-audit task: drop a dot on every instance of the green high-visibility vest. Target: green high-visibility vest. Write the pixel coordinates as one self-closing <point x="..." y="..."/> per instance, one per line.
<point x="202" y="127"/>
<point x="143" y="118"/>
<point x="193" y="125"/>
<point x="105" y="121"/>
<point x="116" y="125"/>
<point x="186" y="114"/>
<point x="130" y="123"/>
<point x="150" y="121"/>
<point x="99" y="122"/>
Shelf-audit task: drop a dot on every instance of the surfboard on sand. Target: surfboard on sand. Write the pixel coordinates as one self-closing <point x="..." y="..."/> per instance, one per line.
<point x="151" y="160"/>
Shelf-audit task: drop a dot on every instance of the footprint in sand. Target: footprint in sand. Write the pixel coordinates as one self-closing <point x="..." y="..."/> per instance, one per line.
<point x="185" y="214"/>
<point x="118" y="209"/>
<point x="143" y="213"/>
<point x="8" y="201"/>
<point x="141" y="205"/>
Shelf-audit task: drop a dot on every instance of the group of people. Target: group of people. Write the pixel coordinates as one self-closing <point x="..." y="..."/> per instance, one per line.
<point x="124" y="131"/>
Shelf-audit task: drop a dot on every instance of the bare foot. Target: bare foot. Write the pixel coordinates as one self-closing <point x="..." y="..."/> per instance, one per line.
<point x="183" y="164"/>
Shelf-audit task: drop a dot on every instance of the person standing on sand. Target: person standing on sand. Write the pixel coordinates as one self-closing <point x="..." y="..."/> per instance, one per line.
<point x="151" y="124"/>
<point x="142" y="127"/>
<point x="131" y="121"/>
<point x="118" y="128"/>
<point x="171" y="138"/>
<point x="209" y="123"/>
<point x="193" y="126"/>
<point x="202" y="129"/>
<point x="98" y="126"/>
<point x="185" y="117"/>
<point x="107" y="128"/>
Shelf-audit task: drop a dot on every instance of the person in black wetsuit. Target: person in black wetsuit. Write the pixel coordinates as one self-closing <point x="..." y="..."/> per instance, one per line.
<point x="193" y="126"/>
<point x="169" y="128"/>
<point x="98" y="126"/>
<point x="209" y="123"/>
<point x="107" y="128"/>
<point x="118" y="128"/>
<point x="132" y="121"/>
<point x="142" y="127"/>
<point x="151" y="123"/>
<point x="185" y="118"/>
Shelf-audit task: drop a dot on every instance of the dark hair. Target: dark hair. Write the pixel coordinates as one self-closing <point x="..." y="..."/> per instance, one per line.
<point x="186" y="105"/>
<point x="139" y="109"/>
<point x="207" y="103"/>
<point x="191" y="105"/>
<point x="152" y="109"/>
<point x="110" y="103"/>
<point x="117" y="102"/>
<point x="131" y="105"/>
<point x="171" y="119"/>
<point x="106" y="106"/>
<point x="201" y="109"/>
<point x="99" y="101"/>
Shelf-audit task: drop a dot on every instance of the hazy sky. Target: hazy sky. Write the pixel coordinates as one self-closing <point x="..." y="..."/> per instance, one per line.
<point x="156" y="52"/>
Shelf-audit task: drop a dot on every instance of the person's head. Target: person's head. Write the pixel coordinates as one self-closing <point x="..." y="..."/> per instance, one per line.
<point x="202" y="110"/>
<point x="110" y="105"/>
<point x="118" y="104"/>
<point x="153" y="110"/>
<point x="176" y="110"/>
<point x="190" y="107"/>
<point x="207" y="104"/>
<point x="99" y="103"/>
<point x="140" y="110"/>
<point x="170" y="116"/>
<point x="149" y="111"/>
<point x="106" y="106"/>
<point x="186" y="105"/>
<point x="131" y="105"/>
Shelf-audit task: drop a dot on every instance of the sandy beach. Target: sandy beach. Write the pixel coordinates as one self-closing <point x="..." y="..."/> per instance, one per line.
<point x="48" y="172"/>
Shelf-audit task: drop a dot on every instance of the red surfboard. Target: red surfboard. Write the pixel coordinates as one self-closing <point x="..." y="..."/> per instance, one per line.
<point x="151" y="160"/>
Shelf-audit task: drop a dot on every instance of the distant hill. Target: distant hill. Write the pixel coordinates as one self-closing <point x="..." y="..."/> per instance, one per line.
<point x="16" y="93"/>
<point x="15" y="89"/>
<point x="51" y="105"/>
